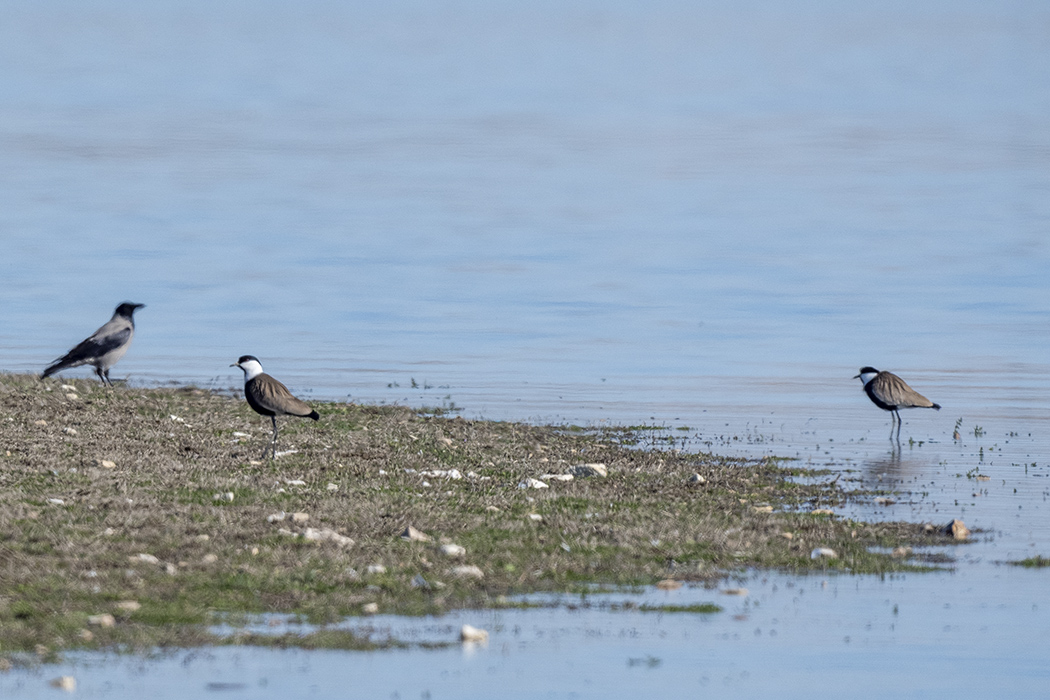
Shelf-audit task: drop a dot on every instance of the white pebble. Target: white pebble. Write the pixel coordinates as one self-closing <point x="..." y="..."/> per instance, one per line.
<point x="453" y="550"/>
<point x="819" y="552"/>
<point x="531" y="483"/>
<point x="473" y="634"/>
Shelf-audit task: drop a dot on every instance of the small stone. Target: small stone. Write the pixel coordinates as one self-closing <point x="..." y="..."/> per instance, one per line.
<point x="332" y="487"/>
<point x="492" y="509"/>
<point x="901" y="552"/>
<point x="72" y="397"/>
<point x="762" y="509"/>
<point x="300" y="518"/>
<point x="788" y="535"/>
<point x="467" y="571"/>
<point x="957" y="529"/>
<point x="411" y="534"/>
<point x="202" y="538"/>
<point x="145" y="558"/>
<point x="557" y="477"/>
<point x="742" y="592"/>
<point x="228" y="497"/>
<point x="276" y="517"/>
<point x="66" y="683"/>
<point x="419" y="582"/>
<point x="823" y="552"/>
<point x="376" y="569"/>
<point x="531" y="483"/>
<point x="585" y="470"/>
<point x="668" y="584"/>
<point x="535" y="517"/>
<point x="822" y="511"/>
<point x="67" y="387"/>
<point x="696" y="480"/>
<point x="884" y="501"/>
<point x="370" y="608"/>
<point x="56" y="501"/>
<point x="128" y="605"/>
<point x="327" y="535"/>
<point x="40" y="422"/>
<point x="209" y="558"/>
<point x="453" y="550"/>
<point x="70" y="431"/>
<point x="103" y="620"/>
<point x="107" y="464"/>
<point x="86" y="635"/>
<point x="294" y="482"/>
<point x="473" y="634"/>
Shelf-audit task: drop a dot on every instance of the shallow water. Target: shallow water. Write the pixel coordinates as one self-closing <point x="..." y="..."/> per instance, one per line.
<point x="702" y="217"/>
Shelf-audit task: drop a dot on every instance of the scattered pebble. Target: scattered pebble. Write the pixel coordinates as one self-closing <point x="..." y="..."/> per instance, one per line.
<point x="69" y="431"/>
<point x="327" y="535"/>
<point x="467" y="571"/>
<point x="957" y="529"/>
<point x="762" y="509"/>
<point x="72" y="397"/>
<point x="473" y="634"/>
<point x="370" y="608"/>
<point x="823" y="552"/>
<point x="294" y="482"/>
<point x="107" y="464"/>
<point x="210" y="558"/>
<point x="696" y="480"/>
<point x="585" y="470"/>
<point x="40" y="422"/>
<point x="86" y="635"/>
<point x="901" y="552"/>
<point x="276" y="517"/>
<point x="66" y="683"/>
<point x="176" y="419"/>
<point x="300" y="518"/>
<point x="67" y="387"/>
<point x="128" y="605"/>
<point x="531" y="483"/>
<point x="453" y="550"/>
<point x="56" y="501"/>
<point x="103" y="620"/>
<point x="419" y="582"/>
<point x="742" y="592"/>
<point x="453" y="474"/>
<point x="146" y="558"/>
<point x="411" y="534"/>
<point x="535" y="517"/>
<point x="822" y="511"/>
<point x="332" y="487"/>
<point x="285" y="453"/>
<point x="447" y="442"/>
<point x="202" y="538"/>
<point x="557" y="477"/>
<point x="884" y="501"/>
<point x="788" y="535"/>
<point x="228" y="497"/>
<point x="492" y="509"/>
<point x="376" y="569"/>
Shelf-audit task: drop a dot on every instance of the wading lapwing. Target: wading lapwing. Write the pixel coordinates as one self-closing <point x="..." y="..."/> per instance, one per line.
<point x="269" y="397"/>
<point x="104" y="347"/>
<point x="890" y="393"/>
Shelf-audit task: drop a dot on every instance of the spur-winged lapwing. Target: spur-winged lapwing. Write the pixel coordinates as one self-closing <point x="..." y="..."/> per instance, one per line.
<point x="105" y="346"/>
<point x="890" y="393"/>
<point x="269" y="397"/>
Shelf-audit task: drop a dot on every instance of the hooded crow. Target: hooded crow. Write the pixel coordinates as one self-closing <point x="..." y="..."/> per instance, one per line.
<point x="104" y="347"/>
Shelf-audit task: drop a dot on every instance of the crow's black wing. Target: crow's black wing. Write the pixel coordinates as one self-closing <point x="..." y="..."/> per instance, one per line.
<point x="88" y="350"/>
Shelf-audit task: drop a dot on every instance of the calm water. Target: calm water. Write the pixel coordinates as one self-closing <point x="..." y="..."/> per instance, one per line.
<point x="699" y="215"/>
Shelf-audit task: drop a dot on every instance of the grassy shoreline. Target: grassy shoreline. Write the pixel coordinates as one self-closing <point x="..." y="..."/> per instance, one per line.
<point x="152" y="506"/>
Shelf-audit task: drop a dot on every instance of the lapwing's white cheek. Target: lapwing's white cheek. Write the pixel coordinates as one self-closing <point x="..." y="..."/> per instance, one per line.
<point x="867" y="377"/>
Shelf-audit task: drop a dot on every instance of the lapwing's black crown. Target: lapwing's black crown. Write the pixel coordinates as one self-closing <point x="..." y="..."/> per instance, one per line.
<point x="247" y="358"/>
<point x="868" y="370"/>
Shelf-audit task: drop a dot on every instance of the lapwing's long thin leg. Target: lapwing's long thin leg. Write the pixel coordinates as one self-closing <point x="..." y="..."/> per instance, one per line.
<point x="273" y="443"/>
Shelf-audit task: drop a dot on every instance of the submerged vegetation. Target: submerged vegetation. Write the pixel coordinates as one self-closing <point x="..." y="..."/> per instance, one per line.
<point x="135" y="518"/>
